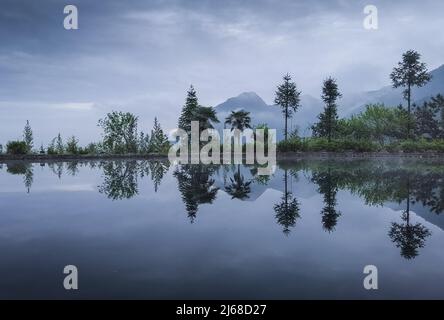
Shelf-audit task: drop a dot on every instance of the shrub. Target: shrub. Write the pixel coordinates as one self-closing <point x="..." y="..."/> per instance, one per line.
<point x="322" y="144"/>
<point x="421" y="145"/>
<point x="16" y="147"/>
<point x="72" y="146"/>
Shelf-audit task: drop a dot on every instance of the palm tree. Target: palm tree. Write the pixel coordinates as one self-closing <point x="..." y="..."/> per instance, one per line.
<point x="238" y="120"/>
<point x="206" y="116"/>
<point x="238" y="188"/>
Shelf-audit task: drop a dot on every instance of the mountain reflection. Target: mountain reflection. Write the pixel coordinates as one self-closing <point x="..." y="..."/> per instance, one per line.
<point x="407" y="236"/>
<point x="405" y="185"/>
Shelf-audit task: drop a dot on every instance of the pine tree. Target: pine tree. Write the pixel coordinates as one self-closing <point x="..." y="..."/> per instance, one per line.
<point x="410" y="73"/>
<point x="59" y="148"/>
<point x="28" y="137"/>
<point x="158" y="141"/>
<point x="144" y="142"/>
<point x="188" y="110"/>
<point x="328" y="120"/>
<point x="288" y="98"/>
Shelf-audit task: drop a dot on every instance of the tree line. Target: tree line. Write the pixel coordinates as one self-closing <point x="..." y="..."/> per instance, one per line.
<point x="378" y="127"/>
<point x="119" y="136"/>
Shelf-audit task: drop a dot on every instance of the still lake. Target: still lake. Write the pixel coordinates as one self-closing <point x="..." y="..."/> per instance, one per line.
<point x="147" y="229"/>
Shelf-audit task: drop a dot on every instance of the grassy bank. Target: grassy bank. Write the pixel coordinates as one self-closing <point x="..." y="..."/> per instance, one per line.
<point x="346" y="145"/>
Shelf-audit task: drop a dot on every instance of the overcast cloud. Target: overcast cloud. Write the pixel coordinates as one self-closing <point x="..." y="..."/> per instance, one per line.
<point x="141" y="56"/>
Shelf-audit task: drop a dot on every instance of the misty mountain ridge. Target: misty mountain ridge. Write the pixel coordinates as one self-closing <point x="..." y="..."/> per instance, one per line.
<point x="392" y="97"/>
<point x="311" y="107"/>
<point x="261" y="112"/>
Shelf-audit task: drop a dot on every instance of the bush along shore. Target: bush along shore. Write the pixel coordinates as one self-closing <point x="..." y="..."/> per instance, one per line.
<point x="408" y="129"/>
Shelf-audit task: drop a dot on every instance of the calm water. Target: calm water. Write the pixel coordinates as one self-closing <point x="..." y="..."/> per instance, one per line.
<point x="150" y="230"/>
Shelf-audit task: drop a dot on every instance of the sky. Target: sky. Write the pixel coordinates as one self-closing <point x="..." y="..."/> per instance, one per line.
<point x="141" y="56"/>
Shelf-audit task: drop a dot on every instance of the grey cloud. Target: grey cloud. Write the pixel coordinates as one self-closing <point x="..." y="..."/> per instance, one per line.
<point x="141" y="56"/>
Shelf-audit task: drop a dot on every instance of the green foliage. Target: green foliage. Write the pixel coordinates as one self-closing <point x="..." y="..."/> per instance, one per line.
<point x="239" y="120"/>
<point x="59" y="147"/>
<point x="119" y="132"/>
<point x="322" y="144"/>
<point x="377" y="123"/>
<point x="328" y="119"/>
<point x="258" y="138"/>
<point x="92" y="148"/>
<point x="426" y="126"/>
<point x="421" y="145"/>
<point x="28" y="137"/>
<point x="188" y="110"/>
<point x="288" y="98"/>
<point x="72" y="146"/>
<point x="144" y="143"/>
<point x="206" y="116"/>
<point x="16" y="147"/>
<point x="437" y="105"/>
<point x="364" y="145"/>
<point x="159" y="141"/>
<point x="409" y="73"/>
<point x="429" y="119"/>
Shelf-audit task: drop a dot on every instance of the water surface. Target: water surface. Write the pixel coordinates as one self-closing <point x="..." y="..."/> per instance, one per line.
<point x="145" y="229"/>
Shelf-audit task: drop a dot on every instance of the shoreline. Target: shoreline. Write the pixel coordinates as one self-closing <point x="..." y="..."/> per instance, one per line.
<point x="279" y="156"/>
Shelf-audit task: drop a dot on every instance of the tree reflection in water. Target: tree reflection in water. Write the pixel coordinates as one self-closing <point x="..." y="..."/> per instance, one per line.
<point x="196" y="186"/>
<point x="327" y="182"/>
<point x="238" y="188"/>
<point x="407" y="236"/>
<point x="287" y="211"/>
<point x="22" y="168"/>
<point x="119" y="179"/>
<point x="376" y="182"/>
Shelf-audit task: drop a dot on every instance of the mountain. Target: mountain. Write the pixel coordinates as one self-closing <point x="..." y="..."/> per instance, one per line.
<point x="310" y="108"/>
<point x="393" y="97"/>
<point x="261" y="112"/>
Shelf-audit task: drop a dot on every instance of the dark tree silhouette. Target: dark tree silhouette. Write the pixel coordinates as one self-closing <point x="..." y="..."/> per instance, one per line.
<point x="238" y="120"/>
<point x="238" y="188"/>
<point x="288" y="98"/>
<point x="25" y="169"/>
<point x="409" y="73"/>
<point x="57" y="168"/>
<point x="287" y="211"/>
<point x="158" y="170"/>
<point x="407" y="236"/>
<point x="191" y="104"/>
<point x="328" y="187"/>
<point x="328" y="119"/>
<point x="119" y="179"/>
<point x="196" y="186"/>
<point x="72" y="167"/>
